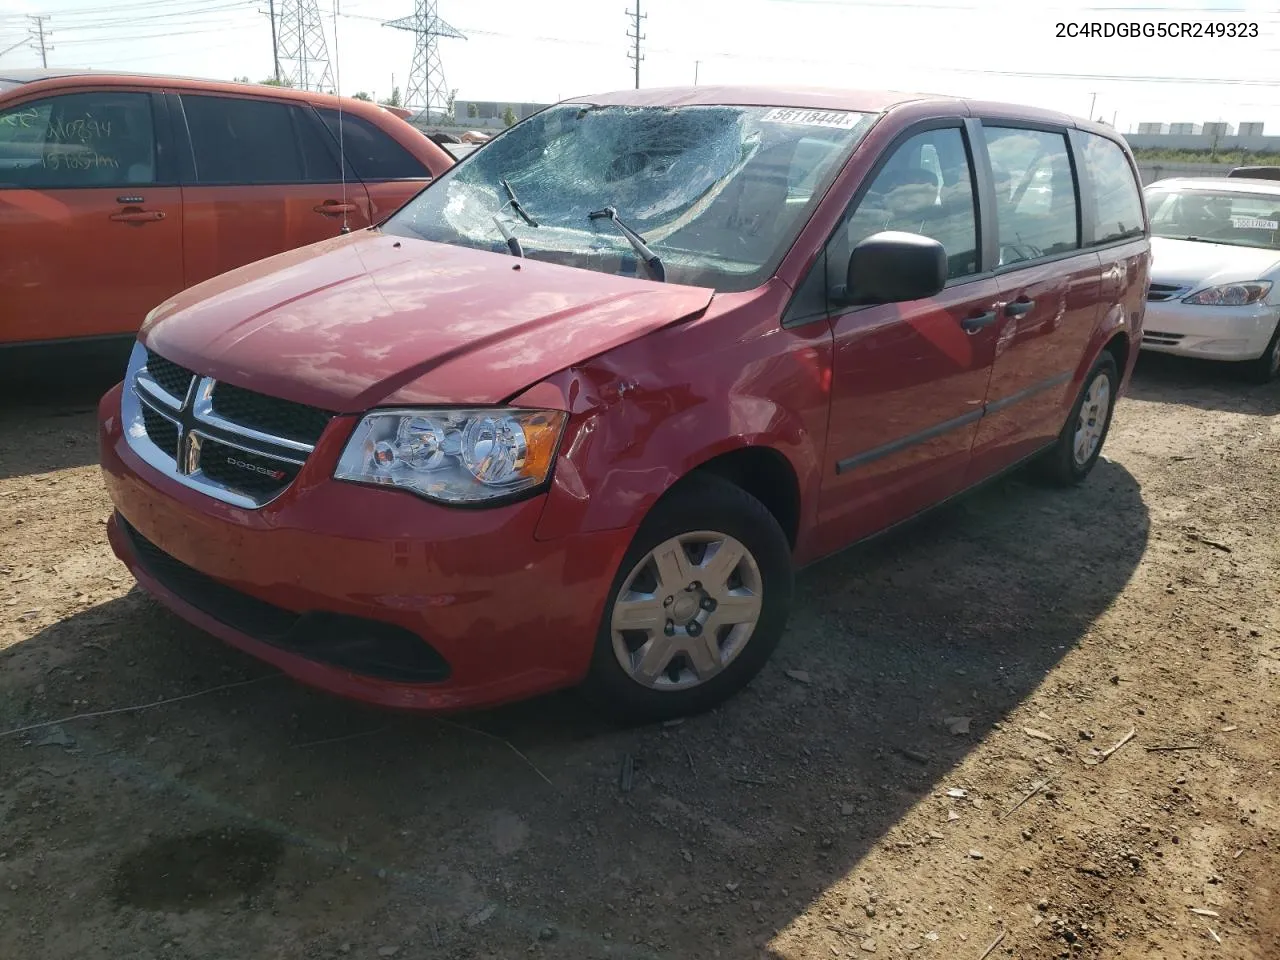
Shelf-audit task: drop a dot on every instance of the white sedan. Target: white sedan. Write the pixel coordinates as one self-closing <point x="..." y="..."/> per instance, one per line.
<point x="1215" y="271"/>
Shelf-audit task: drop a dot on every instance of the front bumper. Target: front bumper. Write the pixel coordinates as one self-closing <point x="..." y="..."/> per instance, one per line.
<point x="1214" y="333"/>
<point x="501" y="614"/>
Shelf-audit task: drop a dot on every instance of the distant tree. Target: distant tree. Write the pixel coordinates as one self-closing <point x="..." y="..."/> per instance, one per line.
<point x="241" y="79"/>
<point x="449" y="116"/>
<point x="273" y="82"/>
<point x="509" y="117"/>
<point x="473" y="111"/>
<point x="393" y="100"/>
<point x="362" y="95"/>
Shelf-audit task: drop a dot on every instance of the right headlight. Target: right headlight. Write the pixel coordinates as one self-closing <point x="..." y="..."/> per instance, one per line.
<point x="1230" y="294"/>
<point x="454" y="456"/>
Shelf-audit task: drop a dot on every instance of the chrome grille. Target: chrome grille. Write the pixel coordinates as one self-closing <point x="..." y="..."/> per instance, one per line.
<point x="235" y="445"/>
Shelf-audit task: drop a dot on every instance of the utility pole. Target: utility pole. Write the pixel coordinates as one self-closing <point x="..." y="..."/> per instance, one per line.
<point x="38" y="36"/>
<point x="275" y="41"/>
<point x="1092" y="103"/>
<point x="636" y="36"/>
<point x="696" y="64"/>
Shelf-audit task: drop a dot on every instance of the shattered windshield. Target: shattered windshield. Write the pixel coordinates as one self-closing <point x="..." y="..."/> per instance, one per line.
<point x="718" y="193"/>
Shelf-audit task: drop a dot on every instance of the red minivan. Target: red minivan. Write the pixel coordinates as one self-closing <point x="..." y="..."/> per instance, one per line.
<point x="117" y="190"/>
<point x="576" y="414"/>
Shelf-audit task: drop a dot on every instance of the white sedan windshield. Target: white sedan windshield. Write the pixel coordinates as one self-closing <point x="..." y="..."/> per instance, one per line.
<point x="1242" y="219"/>
<point x="718" y="193"/>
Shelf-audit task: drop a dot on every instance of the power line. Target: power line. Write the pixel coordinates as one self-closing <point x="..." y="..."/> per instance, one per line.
<point x="635" y="55"/>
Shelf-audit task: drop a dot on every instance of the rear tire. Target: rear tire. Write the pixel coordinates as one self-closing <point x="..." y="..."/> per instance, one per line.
<point x="1267" y="367"/>
<point x="1079" y="445"/>
<point x="667" y="649"/>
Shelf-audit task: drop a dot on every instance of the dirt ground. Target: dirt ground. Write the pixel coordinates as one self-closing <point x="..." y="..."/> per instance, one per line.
<point x="872" y="793"/>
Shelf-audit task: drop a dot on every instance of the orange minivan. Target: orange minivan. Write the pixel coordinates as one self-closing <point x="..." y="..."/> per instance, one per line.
<point x="118" y="191"/>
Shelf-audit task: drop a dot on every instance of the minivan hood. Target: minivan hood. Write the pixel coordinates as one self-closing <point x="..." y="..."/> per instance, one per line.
<point x="370" y="319"/>
<point x="1191" y="263"/>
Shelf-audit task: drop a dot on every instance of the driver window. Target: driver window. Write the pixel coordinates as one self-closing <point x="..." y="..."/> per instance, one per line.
<point x="925" y="187"/>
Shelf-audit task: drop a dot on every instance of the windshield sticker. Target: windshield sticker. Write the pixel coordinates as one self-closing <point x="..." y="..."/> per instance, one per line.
<point x="839" y="119"/>
<point x="1254" y="223"/>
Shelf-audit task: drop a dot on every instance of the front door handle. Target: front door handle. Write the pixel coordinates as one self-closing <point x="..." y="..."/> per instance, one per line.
<point x="978" y="321"/>
<point x="331" y="208"/>
<point x="1019" y="308"/>
<point x="138" y="216"/>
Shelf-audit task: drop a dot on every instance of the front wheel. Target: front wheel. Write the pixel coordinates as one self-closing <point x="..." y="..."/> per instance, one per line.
<point x="1079" y="445"/>
<point x="697" y="607"/>
<point x="1267" y="367"/>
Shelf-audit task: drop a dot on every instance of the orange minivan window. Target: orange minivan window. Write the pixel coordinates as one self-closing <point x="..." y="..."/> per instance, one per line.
<point x="242" y="141"/>
<point x="374" y="155"/>
<point x="98" y="139"/>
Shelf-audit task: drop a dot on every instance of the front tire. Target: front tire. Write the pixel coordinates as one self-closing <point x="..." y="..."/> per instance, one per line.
<point x="1078" y="447"/>
<point x="1267" y="367"/>
<point x="697" y="607"/>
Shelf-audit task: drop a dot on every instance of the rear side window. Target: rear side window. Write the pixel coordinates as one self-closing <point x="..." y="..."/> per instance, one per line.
<point x="100" y="139"/>
<point x="245" y="141"/>
<point x="371" y="153"/>
<point x="1037" y="211"/>
<point x="1118" y="201"/>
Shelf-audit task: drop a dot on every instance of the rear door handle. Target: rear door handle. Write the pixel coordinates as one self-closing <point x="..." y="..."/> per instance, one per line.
<point x="978" y="321"/>
<point x="138" y="216"/>
<point x="331" y="208"/>
<point x="1019" y="308"/>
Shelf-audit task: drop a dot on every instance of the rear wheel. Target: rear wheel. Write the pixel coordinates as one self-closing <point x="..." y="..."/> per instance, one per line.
<point x="1267" y="367"/>
<point x="698" y="605"/>
<point x="1079" y="445"/>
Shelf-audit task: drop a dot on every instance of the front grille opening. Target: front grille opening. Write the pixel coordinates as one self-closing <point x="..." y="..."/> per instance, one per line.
<point x="161" y="431"/>
<point x="369" y="648"/>
<point x="240" y="470"/>
<point x="173" y="379"/>
<point x="280" y="418"/>
<point x="1162" y="291"/>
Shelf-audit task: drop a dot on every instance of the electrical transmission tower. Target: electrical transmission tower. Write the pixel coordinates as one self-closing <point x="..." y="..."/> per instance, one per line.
<point x="302" y="54"/>
<point x="635" y="55"/>
<point x="427" y="93"/>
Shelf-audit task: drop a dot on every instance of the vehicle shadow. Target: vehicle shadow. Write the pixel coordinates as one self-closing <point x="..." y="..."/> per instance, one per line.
<point x="45" y="419"/>
<point x="1162" y="378"/>
<point x="496" y="832"/>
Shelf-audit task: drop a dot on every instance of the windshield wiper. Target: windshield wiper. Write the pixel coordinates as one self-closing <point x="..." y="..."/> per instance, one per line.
<point x="516" y="205"/>
<point x="513" y="244"/>
<point x="651" y="259"/>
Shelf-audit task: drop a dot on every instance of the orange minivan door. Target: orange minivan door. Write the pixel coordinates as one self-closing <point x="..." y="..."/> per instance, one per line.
<point x="261" y="178"/>
<point x="90" y="215"/>
<point x="390" y="173"/>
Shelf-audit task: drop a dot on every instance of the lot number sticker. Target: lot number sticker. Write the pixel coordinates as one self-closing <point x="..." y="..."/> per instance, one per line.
<point x="1254" y="223"/>
<point x="840" y="119"/>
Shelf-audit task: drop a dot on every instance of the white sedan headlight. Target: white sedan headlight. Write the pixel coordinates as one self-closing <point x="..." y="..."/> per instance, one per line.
<point x="1231" y="294"/>
<point x="454" y="456"/>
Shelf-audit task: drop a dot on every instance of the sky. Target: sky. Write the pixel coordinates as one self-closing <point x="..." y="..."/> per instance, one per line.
<point x="518" y="50"/>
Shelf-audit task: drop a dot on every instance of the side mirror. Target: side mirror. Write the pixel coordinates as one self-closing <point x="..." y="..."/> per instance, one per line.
<point x="893" y="267"/>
